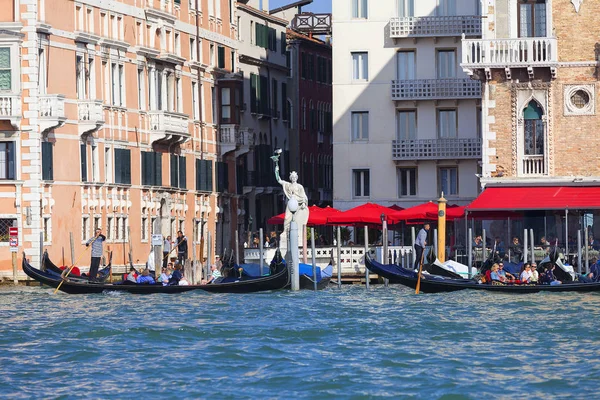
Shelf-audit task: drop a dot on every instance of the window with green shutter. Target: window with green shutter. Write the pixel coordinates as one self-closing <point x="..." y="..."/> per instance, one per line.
<point x="83" y="154"/>
<point x="253" y="91"/>
<point x="283" y="43"/>
<point x="5" y="70"/>
<point x="222" y="177"/>
<point x="123" y="166"/>
<point x="204" y="181"/>
<point x="182" y="173"/>
<point x="47" y="163"/>
<point x="264" y="95"/>
<point x="221" y="57"/>
<point x="178" y="171"/>
<point x="151" y="168"/>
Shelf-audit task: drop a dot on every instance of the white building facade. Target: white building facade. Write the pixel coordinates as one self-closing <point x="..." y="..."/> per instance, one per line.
<point x="406" y="117"/>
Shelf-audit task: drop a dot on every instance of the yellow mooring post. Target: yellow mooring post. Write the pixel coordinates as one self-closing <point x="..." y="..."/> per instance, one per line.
<point x="441" y="237"/>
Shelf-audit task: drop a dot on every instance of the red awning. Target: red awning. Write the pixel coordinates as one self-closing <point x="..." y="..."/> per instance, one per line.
<point x="366" y="214"/>
<point x="537" y="198"/>
<point x="426" y="211"/>
<point x="316" y="216"/>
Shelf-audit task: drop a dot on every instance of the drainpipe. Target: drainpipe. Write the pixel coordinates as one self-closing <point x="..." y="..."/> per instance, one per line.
<point x="198" y="52"/>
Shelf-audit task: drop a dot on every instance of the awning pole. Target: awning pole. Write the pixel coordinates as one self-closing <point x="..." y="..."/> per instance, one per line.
<point x="508" y="240"/>
<point x="579" y="251"/>
<point x="483" y="247"/>
<point x="532" y="244"/>
<point x="469" y="250"/>
<point x="525" y="246"/>
<point x="587" y="261"/>
<point x="566" y="235"/>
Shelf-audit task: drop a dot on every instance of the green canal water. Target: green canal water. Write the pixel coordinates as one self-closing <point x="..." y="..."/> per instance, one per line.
<point x="348" y="343"/>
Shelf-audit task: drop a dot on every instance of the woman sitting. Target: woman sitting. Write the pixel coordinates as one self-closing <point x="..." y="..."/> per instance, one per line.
<point x="494" y="273"/>
<point x="176" y="276"/>
<point x="526" y="274"/>
<point x="145" y="277"/>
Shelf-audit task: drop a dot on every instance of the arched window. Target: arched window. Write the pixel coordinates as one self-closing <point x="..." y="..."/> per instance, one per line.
<point x="304" y="114"/>
<point x="534" y="129"/>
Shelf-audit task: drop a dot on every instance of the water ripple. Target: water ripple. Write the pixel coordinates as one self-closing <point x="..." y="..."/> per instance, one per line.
<point x="348" y="343"/>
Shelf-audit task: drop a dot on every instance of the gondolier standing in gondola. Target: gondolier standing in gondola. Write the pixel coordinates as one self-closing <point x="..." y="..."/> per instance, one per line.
<point x="420" y="243"/>
<point x="97" y="243"/>
<point x="182" y="248"/>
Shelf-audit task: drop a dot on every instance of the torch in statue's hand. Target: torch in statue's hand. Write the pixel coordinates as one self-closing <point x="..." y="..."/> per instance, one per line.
<point x="275" y="156"/>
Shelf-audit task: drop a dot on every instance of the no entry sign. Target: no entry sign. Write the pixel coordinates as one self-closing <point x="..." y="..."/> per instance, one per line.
<point x="13" y="231"/>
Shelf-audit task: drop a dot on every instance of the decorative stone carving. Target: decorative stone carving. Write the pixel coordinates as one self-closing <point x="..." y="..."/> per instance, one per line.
<point x="577" y="4"/>
<point x="579" y="99"/>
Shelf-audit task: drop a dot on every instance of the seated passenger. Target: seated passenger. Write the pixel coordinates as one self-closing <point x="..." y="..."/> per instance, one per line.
<point x="548" y="277"/>
<point x="183" y="281"/>
<point x="504" y="276"/>
<point x="215" y="273"/>
<point x="526" y="274"/>
<point x="534" y="273"/>
<point x="164" y="275"/>
<point x="494" y="273"/>
<point x="176" y="276"/>
<point x="131" y="276"/>
<point x="145" y="277"/>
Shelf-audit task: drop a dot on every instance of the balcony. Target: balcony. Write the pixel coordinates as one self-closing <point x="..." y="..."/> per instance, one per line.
<point x="509" y="53"/>
<point x="450" y="26"/>
<point x="168" y="127"/>
<point x="232" y="138"/>
<point x="436" y="89"/>
<point x="436" y="149"/>
<point x="10" y="109"/>
<point x="52" y="111"/>
<point x="91" y="116"/>
<point x="534" y="165"/>
<point x="316" y="24"/>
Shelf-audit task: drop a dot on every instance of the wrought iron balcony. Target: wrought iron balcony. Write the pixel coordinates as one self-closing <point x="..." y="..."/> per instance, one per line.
<point x="436" y="149"/>
<point x="52" y="111"/>
<point x="317" y="24"/>
<point x="434" y="89"/>
<point x="403" y="27"/>
<point x="91" y="115"/>
<point x="509" y="53"/>
<point x="10" y="109"/>
<point x="169" y="127"/>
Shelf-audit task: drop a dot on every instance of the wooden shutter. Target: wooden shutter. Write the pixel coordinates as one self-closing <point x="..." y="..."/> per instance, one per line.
<point x="198" y="174"/>
<point x="83" y="152"/>
<point x="174" y="171"/>
<point x="182" y="172"/>
<point x="127" y="166"/>
<point x="264" y="95"/>
<point x="253" y="91"/>
<point x="157" y="169"/>
<point x="47" y="162"/>
<point x="221" y="56"/>
<point x="283" y="43"/>
<point x="209" y="175"/>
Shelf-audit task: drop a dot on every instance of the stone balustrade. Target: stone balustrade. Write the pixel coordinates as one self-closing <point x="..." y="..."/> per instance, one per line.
<point x="506" y="53"/>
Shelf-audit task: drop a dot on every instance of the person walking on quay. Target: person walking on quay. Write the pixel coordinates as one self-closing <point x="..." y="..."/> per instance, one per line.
<point x="97" y="243"/>
<point x="182" y="248"/>
<point x="420" y="243"/>
<point x="167" y="247"/>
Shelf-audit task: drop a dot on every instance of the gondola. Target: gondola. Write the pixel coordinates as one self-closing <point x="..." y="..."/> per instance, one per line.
<point x="49" y="266"/>
<point x="278" y="279"/>
<point x="438" y="284"/>
<point x="307" y="280"/>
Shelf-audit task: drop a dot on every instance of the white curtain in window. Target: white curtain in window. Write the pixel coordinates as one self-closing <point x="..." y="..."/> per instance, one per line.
<point x="446" y="64"/>
<point x="405" y="61"/>
<point x="407" y="125"/>
<point x="447" y="123"/>
<point x="406" y="8"/>
<point x="360" y="125"/>
<point x="446" y="8"/>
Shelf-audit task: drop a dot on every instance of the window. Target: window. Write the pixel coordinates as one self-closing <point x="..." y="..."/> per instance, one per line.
<point x="221" y="57"/>
<point x="479" y="122"/>
<point x="43" y="73"/>
<point x="212" y="55"/>
<point x="204" y="182"/>
<point x="47" y="229"/>
<point x="283" y="43"/>
<point x="151" y="168"/>
<point x="178" y="171"/>
<point x="80" y="77"/>
<point x="144" y="233"/>
<point x="304" y="114"/>
<point x="47" y="163"/>
<point x="225" y="105"/>
<point x="195" y="109"/>
<point x="361" y="182"/>
<point x="85" y="227"/>
<point x="360" y="125"/>
<point x="222" y="176"/>
<point x="83" y="154"/>
<point x="108" y="176"/>
<point x="79" y="14"/>
<point x="193" y="49"/>
<point x="110" y="228"/>
<point x="274" y="97"/>
<point x="140" y="33"/>
<point x="7" y="160"/>
<point x="106" y="77"/>
<point x="265" y="37"/>
<point x="213" y="97"/>
<point x="534" y="129"/>
<point x="532" y="18"/>
<point x="233" y="60"/>
<point x="104" y="21"/>
<point x="360" y="66"/>
<point x="177" y="44"/>
<point x="252" y="35"/>
<point x="141" y="80"/>
<point x="360" y="8"/>
<point x="123" y="166"/>
<point x="448" y="181"/>
<point x="447" y="124"/>
<point x="96" y="223"/>
<point x="407" y="182"/>
<point x="288" y="64"/>
<point x="446" y="64"/>
<point x="284" y="102"/>
<point x="114" y="27"/>
<point x="407" y="125"/>
<point x="406" y="8"/>
<point x="405" y="65"/>
<point x="121" y="86"/>
<point x="445" y="8"/>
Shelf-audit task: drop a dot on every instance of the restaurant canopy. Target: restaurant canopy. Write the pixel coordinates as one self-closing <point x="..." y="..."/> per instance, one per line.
<point x="316" y="216"/>
<point x="537" y="198"/>
<point x="426" y="211"/>
<point x="365" y="214"/>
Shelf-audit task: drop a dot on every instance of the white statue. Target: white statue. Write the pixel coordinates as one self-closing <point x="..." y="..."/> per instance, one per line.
<point x="295" y="190"/>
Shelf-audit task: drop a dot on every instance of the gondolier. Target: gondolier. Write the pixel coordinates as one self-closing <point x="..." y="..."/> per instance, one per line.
<point x="97" y="243"/>
<point x="182" y="248"/>
<point x="420" y="243"/>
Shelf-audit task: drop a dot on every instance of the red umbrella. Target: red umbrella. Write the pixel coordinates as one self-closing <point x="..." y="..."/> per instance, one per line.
<point x="426" y="211"/>
<point x="396" y="208"/>
<point x="316" y="216"/>
<point x="366" y="214"/>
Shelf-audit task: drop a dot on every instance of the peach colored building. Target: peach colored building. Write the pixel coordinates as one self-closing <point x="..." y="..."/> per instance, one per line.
<point x="108" y="118"/>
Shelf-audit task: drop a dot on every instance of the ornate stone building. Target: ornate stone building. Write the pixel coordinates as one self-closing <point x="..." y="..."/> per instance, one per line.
<point x="107" y="118"/>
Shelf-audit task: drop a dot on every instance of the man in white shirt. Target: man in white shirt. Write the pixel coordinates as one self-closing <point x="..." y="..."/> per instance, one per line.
<point x="420" y="243"/>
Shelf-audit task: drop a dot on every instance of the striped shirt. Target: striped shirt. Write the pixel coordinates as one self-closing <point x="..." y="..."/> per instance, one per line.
<point x="96" y="245"/>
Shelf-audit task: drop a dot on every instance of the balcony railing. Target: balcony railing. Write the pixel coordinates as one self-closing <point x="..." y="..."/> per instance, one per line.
<point x="436" y="149"/>
<point x="317" y="24"/>
<point x="534" y="165"/>
<point x="52" y="111"/>
<point x="10" y="108"/>
<point x="506" y="53"/>
<point x="432" y="89"/>
<point x="402" y="27"/>
<point x="169" y="122"/>
<point x="91" y="115"/>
